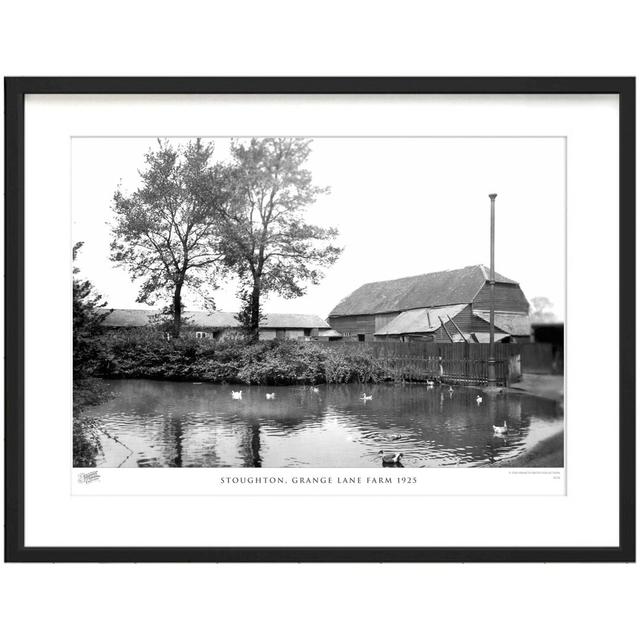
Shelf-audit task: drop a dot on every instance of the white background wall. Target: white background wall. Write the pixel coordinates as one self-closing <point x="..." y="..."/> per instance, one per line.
<point x="329" y="38"/>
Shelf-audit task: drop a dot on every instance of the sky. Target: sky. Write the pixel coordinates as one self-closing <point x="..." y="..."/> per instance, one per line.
<point x="402" y="206"/>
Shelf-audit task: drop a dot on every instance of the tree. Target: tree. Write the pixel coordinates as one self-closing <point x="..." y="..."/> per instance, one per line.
<point x="165" y="232"/>
<point x="87" y="322"/>
<point x="542" y="310"/>
<point x="88" y="316"/>
<point x="267" y="242"/>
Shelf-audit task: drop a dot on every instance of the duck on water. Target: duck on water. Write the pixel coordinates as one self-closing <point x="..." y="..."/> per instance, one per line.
<point x="500" y="430"/>
<point x="391" y="459"/>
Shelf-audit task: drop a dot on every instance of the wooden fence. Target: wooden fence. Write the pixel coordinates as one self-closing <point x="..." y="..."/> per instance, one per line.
<point x="455" y="362"/>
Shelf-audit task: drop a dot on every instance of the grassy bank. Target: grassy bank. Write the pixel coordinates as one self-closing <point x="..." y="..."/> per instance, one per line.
<point x="86" y="431"/>
<point x="142" y="354"/>
<point x="542" y="385"/>
<point x="548" y="453"/>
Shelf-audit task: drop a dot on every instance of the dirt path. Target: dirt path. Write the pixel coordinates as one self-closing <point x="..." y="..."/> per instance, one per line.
<point x="545" y="386"/>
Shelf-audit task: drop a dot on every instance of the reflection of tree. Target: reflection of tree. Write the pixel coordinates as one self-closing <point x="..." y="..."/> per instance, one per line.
<point x="201" y="425"/>
<point x="250" y="444"/>
<point x="285" y="415"/>
<point x="173" y="435"/>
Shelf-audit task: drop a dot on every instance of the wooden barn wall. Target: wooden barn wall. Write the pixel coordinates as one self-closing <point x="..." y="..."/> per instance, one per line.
<point x="464" y="320"/>
<point x="509" y="297"/>
<point x="353" y="325"/>
<point x="467" y="322"/>
<point x="383" y="319"/>
<point x="478" y="325"/>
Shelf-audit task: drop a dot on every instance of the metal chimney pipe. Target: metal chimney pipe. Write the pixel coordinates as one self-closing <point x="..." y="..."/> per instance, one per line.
<point x="491" y="362"/>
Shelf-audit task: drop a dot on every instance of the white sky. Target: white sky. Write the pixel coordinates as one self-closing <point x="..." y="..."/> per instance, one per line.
<point x="403" y="206"/>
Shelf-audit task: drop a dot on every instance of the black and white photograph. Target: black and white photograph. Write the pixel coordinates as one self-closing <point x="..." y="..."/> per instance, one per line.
<point x="318" y="302"/>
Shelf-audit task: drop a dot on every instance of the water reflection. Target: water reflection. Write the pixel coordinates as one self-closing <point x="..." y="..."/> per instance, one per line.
<point x="172" y="424"/>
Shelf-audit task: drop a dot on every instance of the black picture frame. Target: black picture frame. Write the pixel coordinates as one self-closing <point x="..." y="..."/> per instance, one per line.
<point x="15" y="91"/>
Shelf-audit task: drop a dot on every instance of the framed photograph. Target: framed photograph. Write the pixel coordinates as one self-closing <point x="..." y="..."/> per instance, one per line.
<point x="320" y="319"/>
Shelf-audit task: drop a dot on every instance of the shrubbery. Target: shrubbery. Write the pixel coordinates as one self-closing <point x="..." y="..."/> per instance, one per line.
<point x="86" y="441"/>
<point x="147" y="354"/>
<point x="86" y="430"/>
<point x="88" y="317"/>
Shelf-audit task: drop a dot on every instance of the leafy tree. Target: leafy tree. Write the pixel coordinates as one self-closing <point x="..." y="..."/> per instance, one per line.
<point x="165" y="232"/>
<point x="88" y="316"/>
<point x="266" y="239"/>
<point x="87" y="322"/>
<point x="542" y="310"/>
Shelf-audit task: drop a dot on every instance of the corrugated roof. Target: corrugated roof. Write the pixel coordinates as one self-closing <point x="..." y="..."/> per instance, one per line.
<point x="455" y="286"/>
<point x="512" y="323"/>
<point x="329" y="333"/>
<point x="215" y="319"/>
<point x="420" y="320"/>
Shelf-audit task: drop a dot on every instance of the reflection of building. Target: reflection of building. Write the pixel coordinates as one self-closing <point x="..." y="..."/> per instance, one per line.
<point x="434" y="307"/>
<point x="220" y="324"/>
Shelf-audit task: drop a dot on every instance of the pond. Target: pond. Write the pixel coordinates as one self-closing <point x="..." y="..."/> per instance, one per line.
<point x="181" y="424"/>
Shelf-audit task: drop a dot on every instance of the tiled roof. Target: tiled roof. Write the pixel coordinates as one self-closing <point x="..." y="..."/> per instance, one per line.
<point x="143" y="317"/>
<point x="214" y="319"/>
<point x="455" y="286"/>
<point x="293" y="321"/>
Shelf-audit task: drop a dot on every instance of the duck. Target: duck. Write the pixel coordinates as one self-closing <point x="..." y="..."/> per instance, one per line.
<point x="479" y="400"/>
<point x="270" y="396"/>
<point x="365" y="397"/>
<point x="315" y="389"/>
<point x="450" y="389"/>
<point x="500" y="430"/>
<point x="430" y="383"/>
<point x="390" y="459"/>
<point x="236" y="395"/>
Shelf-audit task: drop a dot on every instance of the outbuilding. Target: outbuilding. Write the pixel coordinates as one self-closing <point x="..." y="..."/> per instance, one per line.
<point x="221" y="324"/>
<point x="445" y="306"/>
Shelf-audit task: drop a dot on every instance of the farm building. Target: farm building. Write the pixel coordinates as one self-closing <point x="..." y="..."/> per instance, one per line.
<point x="292" y="326"/>
<point x="446" y="306"/>
<point x="219" y="324"/>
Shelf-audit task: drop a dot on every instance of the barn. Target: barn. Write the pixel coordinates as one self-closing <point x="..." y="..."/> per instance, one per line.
<point x="219" y="324"/>
<point x="445" y="306"/>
